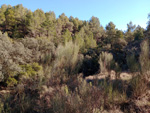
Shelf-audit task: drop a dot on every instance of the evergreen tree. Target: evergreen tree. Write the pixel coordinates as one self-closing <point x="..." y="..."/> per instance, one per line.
<point x="49" y="25"/>
<point x="2" y="17"/>
<point x="119" y="34"/>
<point x="110" y="32"/>
<point x="139" y="33"/>
<point x="95" y="28"/>
<point x="66" y="37"/>
<point x="36" y="23"/>
<point x="129" y="35"/>
<point x="10" y="21"/>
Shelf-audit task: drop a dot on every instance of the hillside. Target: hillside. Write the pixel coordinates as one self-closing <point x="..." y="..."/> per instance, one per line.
<point x="67" y="65"/>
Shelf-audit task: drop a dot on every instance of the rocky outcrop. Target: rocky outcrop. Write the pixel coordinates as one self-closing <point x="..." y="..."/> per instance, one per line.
<point x="111" y="75"/>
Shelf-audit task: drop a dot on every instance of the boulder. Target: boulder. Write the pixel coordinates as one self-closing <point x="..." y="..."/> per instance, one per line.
<point x="125" y="76"/>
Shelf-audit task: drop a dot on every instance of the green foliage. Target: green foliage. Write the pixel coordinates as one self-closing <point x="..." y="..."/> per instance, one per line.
<point x="79" y="40"/>
<point x="36" y="21"/>
<point x="11" y="81"/>
<point x="66" y="36"/>
<point x="10" y="17"/>
<point x="30" y="70"/>
<point x="139" y="33"/>
<point x="76" y="23"/>
<point x="96" y="28"/>
<point x="130" y="26"/>
<point x="111" y="33"/>
<point x="119" y="34"/>
<point x="132" y="63"/>
<point x="129" y="35"/>
<point x="84" y="38"/>
<point x="49" y="25"/>
<point x="2" y="15"/>
<point x="89" y="41"/>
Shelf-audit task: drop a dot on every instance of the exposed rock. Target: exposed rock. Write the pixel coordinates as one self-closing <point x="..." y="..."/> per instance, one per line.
<point x="125" y="76"/>
<point x="112" y="75"/>
<point x="94" y="77"/>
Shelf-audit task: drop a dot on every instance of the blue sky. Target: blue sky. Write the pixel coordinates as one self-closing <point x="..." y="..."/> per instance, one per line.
<point x="120" y="12"/>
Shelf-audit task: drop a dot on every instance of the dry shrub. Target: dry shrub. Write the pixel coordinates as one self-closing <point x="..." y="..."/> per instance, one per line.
<point x="105" y="61"/>
<point x="84" y="99"/>
<point x="23" y="98"/>
<point x="139" y="85"/>
<point x="144" y="56"/>
<point x="68" y="61"/>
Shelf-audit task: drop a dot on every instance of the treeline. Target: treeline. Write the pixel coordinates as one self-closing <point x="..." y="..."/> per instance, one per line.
<point x="19" y="22"/>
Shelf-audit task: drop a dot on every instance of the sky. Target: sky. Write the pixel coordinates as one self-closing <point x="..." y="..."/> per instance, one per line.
<point x="120" y="12"/>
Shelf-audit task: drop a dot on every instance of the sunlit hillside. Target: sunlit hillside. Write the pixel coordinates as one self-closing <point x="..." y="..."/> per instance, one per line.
<point x="68" y="65"/>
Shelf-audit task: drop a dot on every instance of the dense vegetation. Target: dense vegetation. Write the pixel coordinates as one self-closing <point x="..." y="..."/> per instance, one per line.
<point x="44" y="61"/>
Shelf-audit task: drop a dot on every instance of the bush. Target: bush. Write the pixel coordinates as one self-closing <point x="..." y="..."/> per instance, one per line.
<point x="132" y="63"/>
<point x="11" y="81"/>
<point x="30" y="70"/>
<point x="67" y="59"/>
<point x="105" y="61"/>
<point x="138" y="85"/>
<point x="119" y="44"/>
<point x="144" y="56"/>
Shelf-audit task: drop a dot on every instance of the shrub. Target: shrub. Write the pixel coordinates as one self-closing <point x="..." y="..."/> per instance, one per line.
<point x="105" y="61"/>
<point x="67" y="58"/>
<point x="132" y="63"/>
<point x="11" y="81"/>
<point x="21" y="101"/>
<point x="138" y="85"/>
<point x="119" y="44"/>
<point x="144" y="56"/>
<point x="30" y="70"/>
